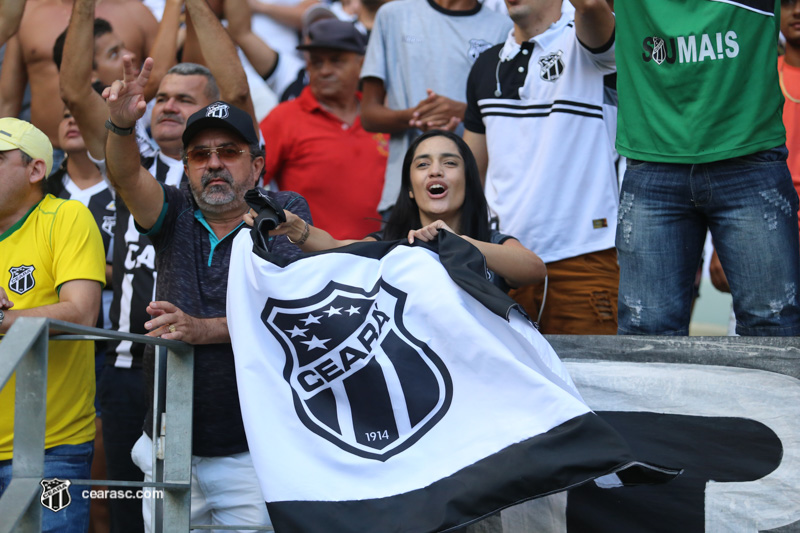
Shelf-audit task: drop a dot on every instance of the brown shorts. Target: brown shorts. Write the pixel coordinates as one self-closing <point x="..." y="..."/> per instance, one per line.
<point x="581" y="295"/>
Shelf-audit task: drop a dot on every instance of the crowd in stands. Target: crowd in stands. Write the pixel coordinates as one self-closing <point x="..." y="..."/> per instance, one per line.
<point x="586" y="149"/>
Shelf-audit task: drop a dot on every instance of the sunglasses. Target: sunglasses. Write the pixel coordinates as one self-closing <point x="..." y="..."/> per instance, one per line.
<point x="226" y="154"/>
<point x="787" y="3"/>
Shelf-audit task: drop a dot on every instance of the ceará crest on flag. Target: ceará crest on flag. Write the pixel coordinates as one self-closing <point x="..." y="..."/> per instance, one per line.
<point x="359" y="379"/>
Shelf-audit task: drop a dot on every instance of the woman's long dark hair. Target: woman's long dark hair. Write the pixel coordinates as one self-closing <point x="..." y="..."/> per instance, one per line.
<point x="474" y="211"/>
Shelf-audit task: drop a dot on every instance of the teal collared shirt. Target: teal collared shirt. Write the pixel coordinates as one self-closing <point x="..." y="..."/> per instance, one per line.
<point x="212" y="237"/>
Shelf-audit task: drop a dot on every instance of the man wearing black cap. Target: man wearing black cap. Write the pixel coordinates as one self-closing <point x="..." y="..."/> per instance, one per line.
<point x="192" y="231"/>
<point x="315" y="144"/>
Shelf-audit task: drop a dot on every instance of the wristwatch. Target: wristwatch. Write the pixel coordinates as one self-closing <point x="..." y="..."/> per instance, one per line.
<point x="2" y="316"/>
<point x="110" y="126"/>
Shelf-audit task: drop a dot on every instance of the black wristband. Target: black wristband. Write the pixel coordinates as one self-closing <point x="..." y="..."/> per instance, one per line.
<point x="113" y="128"/>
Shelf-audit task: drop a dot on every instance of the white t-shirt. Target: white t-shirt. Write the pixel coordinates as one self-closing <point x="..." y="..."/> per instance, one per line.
<point x="551" y="178"/>
<point x="417" y="45"/>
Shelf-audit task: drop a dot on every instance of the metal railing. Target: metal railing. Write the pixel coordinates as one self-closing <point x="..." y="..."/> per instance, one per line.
<point x="24" y="349"/>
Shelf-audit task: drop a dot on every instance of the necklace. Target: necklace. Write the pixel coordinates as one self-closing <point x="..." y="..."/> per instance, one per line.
<point x="783" y="87"/>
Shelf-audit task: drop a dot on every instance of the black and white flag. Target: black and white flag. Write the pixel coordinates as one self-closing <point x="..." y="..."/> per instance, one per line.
<point x="387" y="387"/>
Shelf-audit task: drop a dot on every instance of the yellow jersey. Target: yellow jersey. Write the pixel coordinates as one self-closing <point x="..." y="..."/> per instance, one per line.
<point x="55" y="242"/>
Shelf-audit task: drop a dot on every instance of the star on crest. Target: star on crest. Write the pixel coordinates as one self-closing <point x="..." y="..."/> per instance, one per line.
<point x="315" y="343"/>
<point x="310" y="319"/>
<point x="297" y="332"/>
<point x="333" y="311"/>
<point x="353" y="311"/>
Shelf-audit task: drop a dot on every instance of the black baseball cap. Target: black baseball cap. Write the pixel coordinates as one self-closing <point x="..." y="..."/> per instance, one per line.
<point x="312" y="15"/>
<point x="335" y="34"/>
<point x="223" y="116"/>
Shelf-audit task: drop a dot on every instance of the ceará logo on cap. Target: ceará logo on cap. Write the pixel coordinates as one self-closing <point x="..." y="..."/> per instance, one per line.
<point x="219" y="110"/>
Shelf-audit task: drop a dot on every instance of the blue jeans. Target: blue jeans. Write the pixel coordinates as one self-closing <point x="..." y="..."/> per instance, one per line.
<point x="66" y="462"/>
<point x="750" y="206"/>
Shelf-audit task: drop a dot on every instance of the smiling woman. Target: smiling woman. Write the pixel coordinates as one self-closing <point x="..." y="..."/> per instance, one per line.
<point x="440" y="190"/>
<point x="439" y="181"/>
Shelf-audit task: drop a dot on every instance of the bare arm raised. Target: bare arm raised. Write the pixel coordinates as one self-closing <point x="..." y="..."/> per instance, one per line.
<point x="137" y="187"/>
<point x="288" y="15"/>
<point x="75" y="75"/>
<point x="261" y="56"/>
<point x="220" y="56"/>
<point x="10" y="15"/>
<point x="13" y="78"/>
<point x="165" y="46"/>
<point x="594" y="22"/>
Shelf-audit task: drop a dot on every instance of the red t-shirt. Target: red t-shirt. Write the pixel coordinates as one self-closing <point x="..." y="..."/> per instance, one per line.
<point x="338" y="168"/>
<point x="791" y="116"/>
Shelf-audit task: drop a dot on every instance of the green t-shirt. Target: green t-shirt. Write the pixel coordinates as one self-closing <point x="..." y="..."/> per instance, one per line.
<point x="697" y="80"/>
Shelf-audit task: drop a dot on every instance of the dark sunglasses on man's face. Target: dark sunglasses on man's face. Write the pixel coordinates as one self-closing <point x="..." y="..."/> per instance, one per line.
<point x="226" y="154"/>
<point x="787" y="3"/>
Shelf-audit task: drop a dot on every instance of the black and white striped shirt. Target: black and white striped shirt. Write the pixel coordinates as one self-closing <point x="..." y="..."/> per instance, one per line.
<point x="134" y="270"/>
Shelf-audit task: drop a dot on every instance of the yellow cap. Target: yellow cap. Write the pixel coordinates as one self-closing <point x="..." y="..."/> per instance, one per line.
<point x="17" y="134"/>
